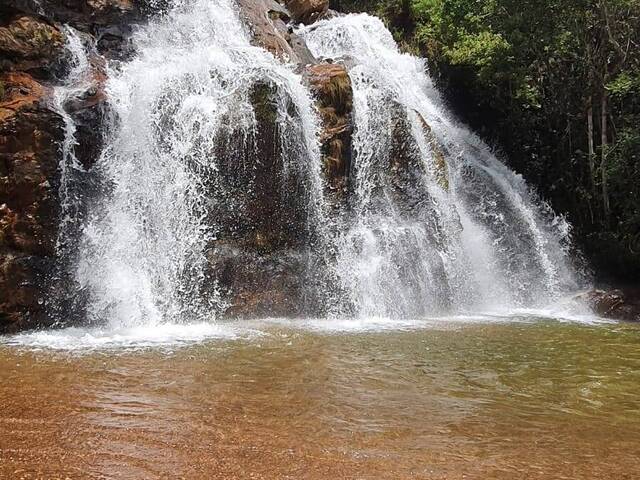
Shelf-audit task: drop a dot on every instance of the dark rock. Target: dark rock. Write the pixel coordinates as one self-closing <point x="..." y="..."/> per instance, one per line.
<point x="83" y="14"/>
<point x="259" y="285"/>
<point x="614" y="304"/>
<point x="329" y="14"/>
<point x="29" y="44"/>
<point x="113" y="42"/>
<point x="89" y="112"/>
<point x="29" y="152"/>
<point x="439" y="158"/>
<point x="257" y="257"/>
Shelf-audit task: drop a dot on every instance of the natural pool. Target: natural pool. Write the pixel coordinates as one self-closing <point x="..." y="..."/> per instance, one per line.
<point x="473" y="397"/>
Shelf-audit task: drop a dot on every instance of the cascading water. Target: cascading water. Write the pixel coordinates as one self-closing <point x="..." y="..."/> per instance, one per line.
<point x="190" y="180"/>
<point x="438" y="223"/>
<point x="77" y="82"/>
<point x="185" y="109"/>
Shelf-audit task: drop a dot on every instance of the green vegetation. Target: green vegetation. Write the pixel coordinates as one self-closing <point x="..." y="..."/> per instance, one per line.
<point x="555" y="86"/>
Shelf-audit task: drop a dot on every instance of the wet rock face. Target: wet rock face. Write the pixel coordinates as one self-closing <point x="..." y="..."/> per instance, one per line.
<point x="108" y="21"/>
<point x="331" y="85"/>
<point x="32" y="58"/>
<point x="266" y="21"/>
<point x="84" y="14"/>
<point x="257" y="257"/>
<point x="30" y="134"/>
<point x="269" y="24"/>
<point x="615" y="304"/>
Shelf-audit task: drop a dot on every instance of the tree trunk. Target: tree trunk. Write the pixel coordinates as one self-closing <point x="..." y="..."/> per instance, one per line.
<point x="592" y="154"/>
<point x="603" y="155"/>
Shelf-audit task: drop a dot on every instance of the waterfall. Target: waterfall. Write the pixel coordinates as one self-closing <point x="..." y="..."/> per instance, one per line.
<point x="437" y="223"/>
<point x="184" y="129"/>
<point x="77" y="82"/>
<point x="209" y="196"/>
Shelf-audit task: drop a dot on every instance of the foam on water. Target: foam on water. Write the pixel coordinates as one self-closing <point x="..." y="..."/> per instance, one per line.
<point x="166" y="335"/>
<point x="175" y="335"/>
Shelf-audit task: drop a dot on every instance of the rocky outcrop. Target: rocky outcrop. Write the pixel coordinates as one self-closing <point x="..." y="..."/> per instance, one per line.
<point x="32" y="59"/>
<point x="107" y="21"/>
<point x="331" y="85"/>
<point x="614" y="304"/>
<point x="87" y="15"/>
<point x="30" y="134"/>
<point x="267" y="23"/>
<point x="307" y="11"/>
<point x="29" y="44"/>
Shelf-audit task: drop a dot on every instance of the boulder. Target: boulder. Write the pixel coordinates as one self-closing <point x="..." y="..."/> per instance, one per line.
<point x="266" y="21"/>
<point x="614" y="304"/>
<point x="28" y="43"/>
<point x="307" y="11"/>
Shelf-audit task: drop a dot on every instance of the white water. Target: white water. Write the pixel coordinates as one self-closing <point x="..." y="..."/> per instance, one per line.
<point x="175" y="335"/>
<point x="142" y="259"/>
<point x="483" y="243"/>
<point x="77" y="82"/>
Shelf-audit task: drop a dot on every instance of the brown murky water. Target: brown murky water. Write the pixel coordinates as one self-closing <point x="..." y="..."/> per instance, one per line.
<point x="541" y="400"/>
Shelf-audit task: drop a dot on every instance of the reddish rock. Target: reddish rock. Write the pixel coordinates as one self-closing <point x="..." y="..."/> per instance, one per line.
<point x="331" y="85"/>
<point x="307" y="11"/>
<point x="28" y="43"/>
<point x="29" y="150"/>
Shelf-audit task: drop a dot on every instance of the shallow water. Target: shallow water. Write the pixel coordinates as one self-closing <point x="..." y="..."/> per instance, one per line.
<point x="471" y="397"/>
